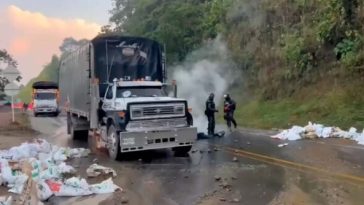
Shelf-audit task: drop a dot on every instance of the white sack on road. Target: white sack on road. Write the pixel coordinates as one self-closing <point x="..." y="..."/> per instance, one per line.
<point x="95" y="170"/>
<point x="313" y="130"/>
<point x="104" y="187"/>
<point x="47" y="167"/>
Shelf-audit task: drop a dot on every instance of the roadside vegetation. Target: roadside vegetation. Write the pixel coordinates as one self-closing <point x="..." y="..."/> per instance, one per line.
<point x="300" y="60"/>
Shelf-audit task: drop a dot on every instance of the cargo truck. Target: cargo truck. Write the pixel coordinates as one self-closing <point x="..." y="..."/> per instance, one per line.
<point x="45" y="98"/>
<point x="116" y="86"/>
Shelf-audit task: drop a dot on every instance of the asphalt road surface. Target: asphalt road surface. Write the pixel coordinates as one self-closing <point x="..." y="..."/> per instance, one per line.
<point x="244" y="167"/>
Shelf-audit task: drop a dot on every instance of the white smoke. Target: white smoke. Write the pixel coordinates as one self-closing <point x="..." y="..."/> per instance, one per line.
<point x="206" y="70"/>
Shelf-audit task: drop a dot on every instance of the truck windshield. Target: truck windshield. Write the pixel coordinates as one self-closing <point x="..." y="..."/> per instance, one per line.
<point x="125" y="92"/>
<point x="44" y="96"/>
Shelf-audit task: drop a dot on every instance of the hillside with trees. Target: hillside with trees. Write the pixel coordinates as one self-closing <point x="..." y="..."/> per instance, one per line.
<point x="301" y="60"/>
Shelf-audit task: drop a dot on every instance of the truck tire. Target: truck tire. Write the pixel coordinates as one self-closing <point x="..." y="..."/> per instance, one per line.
<point x="182" y="150"/>
<point x="113" y="143"/>
<point x="35" y="114"/>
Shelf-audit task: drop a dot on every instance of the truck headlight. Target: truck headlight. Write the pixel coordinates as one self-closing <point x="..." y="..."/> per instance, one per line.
<point x="137" y="112"/>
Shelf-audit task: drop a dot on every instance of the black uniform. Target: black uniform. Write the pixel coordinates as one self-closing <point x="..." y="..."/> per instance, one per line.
<point x="210" y="113"/>
<point x="229" y="108"/>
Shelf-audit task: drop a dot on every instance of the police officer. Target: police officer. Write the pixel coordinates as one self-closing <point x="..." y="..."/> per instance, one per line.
<point x="229" y="108"/>
<point x="210" y="114"/>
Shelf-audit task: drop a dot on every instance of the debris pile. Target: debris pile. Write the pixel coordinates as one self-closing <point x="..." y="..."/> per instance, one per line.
<point x="44" y="164"/>
<point x="313" y="130"/>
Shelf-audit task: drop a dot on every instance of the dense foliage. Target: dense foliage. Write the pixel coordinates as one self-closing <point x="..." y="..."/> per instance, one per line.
<point x="6" y="59"/>
<point x="273" y="41"/>
<point x="293" y="51"/>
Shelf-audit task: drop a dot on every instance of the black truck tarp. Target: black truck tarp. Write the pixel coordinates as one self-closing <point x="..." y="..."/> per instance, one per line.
<point x="129" y="58"/>
<point x="45" y="85"/>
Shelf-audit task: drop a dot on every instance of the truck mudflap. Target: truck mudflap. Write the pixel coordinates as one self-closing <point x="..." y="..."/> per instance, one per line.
<point x="160" y="139"/>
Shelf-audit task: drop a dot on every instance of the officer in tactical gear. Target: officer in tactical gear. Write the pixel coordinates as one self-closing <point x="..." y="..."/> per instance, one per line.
<point x="229" y="109"/>
<point x="210" y="114"/>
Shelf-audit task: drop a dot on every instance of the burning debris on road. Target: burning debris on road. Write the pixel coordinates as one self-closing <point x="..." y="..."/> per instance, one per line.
<point x="43" y="165"/>
<point x="313" y="130"/>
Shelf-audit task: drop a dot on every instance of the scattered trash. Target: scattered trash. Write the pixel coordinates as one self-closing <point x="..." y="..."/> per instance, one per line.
<point x="216" y="149"/>
<point x="5" y="201"/>
<point x="222" y="199"/>
<point x="312" y="131"/>
<point x="104" y="187"/>
<point x="283" y="145"/>
<point x="74" y="187"/>
<point x="235" y="159"/>
<point x="201" y="135"/>
<point x="43" y="190"/>
<point x="95" y="170"/>
<point x="248" y="143"/>
<point x="37" y="169"/>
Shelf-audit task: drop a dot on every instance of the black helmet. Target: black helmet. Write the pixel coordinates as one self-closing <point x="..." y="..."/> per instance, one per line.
<point x="211" y="96"/>
<point x="227" y="97"/>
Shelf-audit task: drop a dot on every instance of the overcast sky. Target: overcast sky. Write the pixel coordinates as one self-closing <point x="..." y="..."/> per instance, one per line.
<point x="32" y="30"/>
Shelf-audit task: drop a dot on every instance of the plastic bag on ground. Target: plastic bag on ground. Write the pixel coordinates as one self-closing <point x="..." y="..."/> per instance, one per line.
<point x="6" y="201"/>
<point x="54" y="186"/>
<point x="295" y="133"/>
<point x="19" y="183"/>
<point x="54" y="171"/>
<point x="104" y="187"/>
<point x="326" y="132"/>
<point x="6" y="173"/>
<point x="79" y="152"/>
<point x="43" y="190"/>
<point x="74" y="187"/>
<point x="95" y="170"/>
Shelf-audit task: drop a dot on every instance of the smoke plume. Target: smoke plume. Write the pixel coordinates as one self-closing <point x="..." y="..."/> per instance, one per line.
<point x="206" y="70"/>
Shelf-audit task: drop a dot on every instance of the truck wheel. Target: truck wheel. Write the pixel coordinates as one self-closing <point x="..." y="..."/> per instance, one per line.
<point x="113" y="143"/>
<point x="35" y="114"/>
<point x="182" y="150"/>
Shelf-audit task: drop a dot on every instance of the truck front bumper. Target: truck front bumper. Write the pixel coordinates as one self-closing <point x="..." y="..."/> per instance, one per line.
<point x="46" y="110"/>
<point x="161" y="139"/>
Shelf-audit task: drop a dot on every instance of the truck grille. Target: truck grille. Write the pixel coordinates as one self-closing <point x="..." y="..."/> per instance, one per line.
<point x="157" y="111"/>
<point x="158" y="124"/>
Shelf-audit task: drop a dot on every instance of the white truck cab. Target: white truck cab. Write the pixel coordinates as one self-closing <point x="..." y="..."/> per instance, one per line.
<point x="147" y="118"/>
<point x="45" y="98"/>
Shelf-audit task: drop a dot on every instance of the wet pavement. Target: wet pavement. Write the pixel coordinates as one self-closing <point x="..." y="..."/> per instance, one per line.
<point x="244" y="167"/>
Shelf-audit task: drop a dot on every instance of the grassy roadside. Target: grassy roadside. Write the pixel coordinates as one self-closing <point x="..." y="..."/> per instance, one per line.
<point x="325" y="103"/>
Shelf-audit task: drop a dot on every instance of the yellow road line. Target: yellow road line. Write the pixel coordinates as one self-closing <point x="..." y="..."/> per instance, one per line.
<point x="292" y="165"/>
